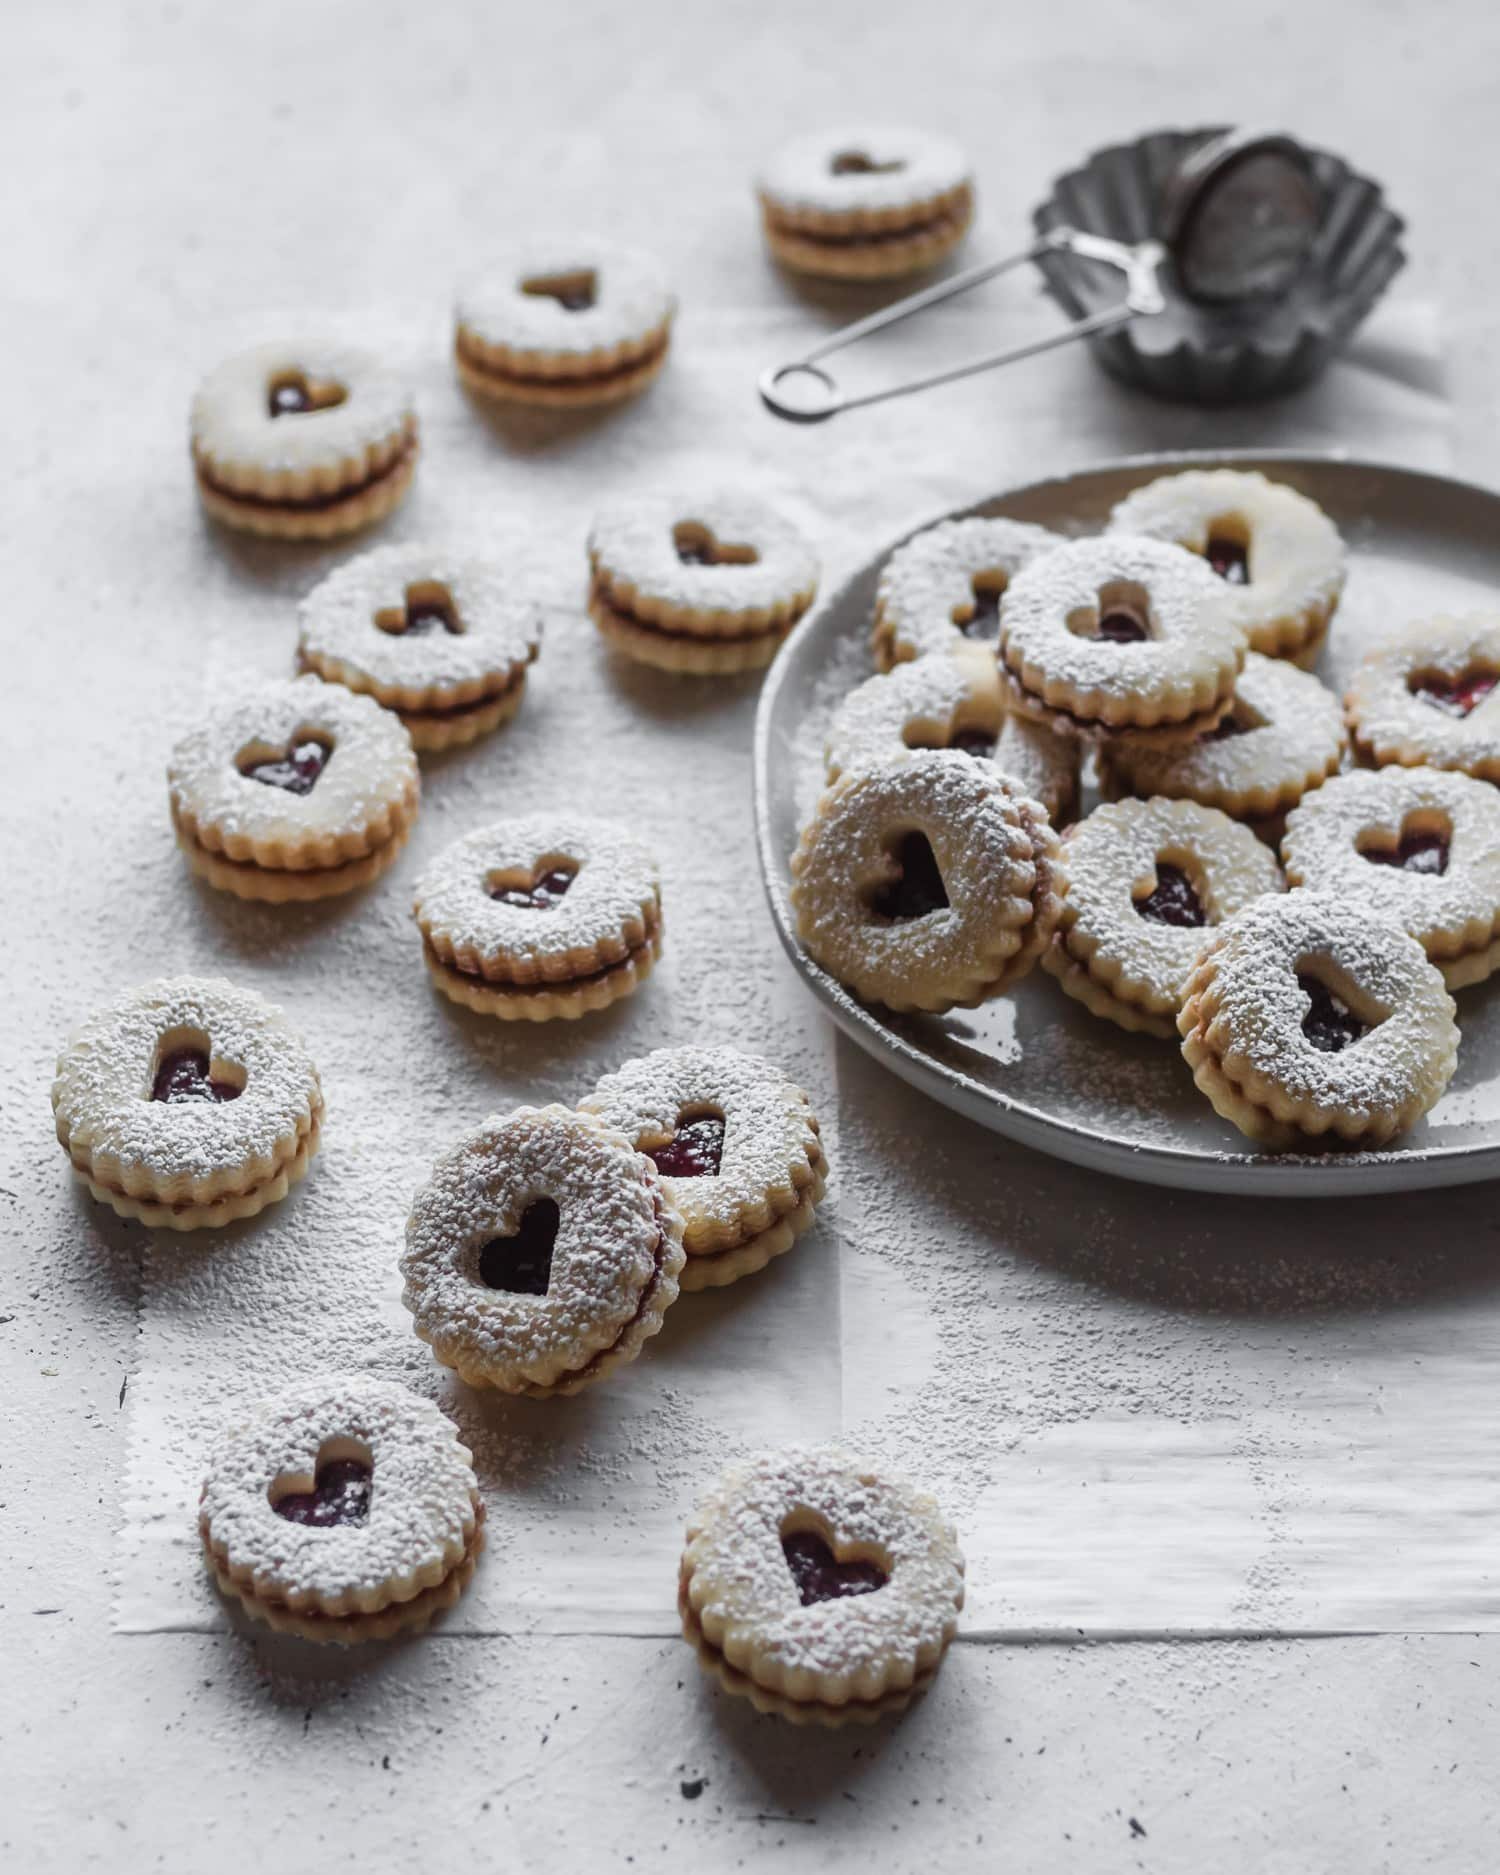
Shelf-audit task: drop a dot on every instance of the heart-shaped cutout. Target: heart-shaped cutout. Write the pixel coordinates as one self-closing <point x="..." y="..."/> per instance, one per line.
<point x="1229" y="558"/>
<point x="824" y="1573"/>
<point x="575" y="290"/>
<point x="522" y="1264"/>
<point x="426" y="606"/>
<point x="695" y="1150"/>
<point x="544" y="890"/>
<point x="1422" y="847"/>
<point x="1173" y="900"/>
<point x="338" y="1492"/>
<point x="980" y="616"/>
<point x="1121" y="614"/>
<point x="698" y="545"/>
<point x="295" y="394"/>
<point x="1330" y="1024"/>
<point x="295" y="768"/>
<point x="918" y="887"/>
<point x="1456" y="696"/>
<point x="861" y="163"/>
<point x="185" y="1072"/>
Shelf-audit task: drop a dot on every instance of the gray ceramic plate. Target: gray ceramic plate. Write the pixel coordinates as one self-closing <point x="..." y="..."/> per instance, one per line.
<point x="1034" y="1065"/>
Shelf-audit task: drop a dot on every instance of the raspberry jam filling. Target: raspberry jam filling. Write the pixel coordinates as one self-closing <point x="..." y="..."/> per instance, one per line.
<point x="918" y="889"/>
<point x="697" y="545"/>
<point x="1173" y="900"/>
<point x="859" y="163"/>
<point x="574" y="292"/>
<point x="984" y="620"/>
<point x="293" y="395"/>
<point x="523" y="1264"/>
<point x="694" y="1150"/>
<point x="184" y="1076"/>
<point x="1229" y="559"/>
<point x="1455" y="696"/>
<point x="1330" y="1024"/>
<point x="340" y="1494"/>
<point x="1227" y="726"/>
<point x="546" y="890"/>
<point x="821" y="1577"/>
<point x="974" y="742"/>
<point x="1425" y="853"/>
<point x="296" y="770"/>
<point x="1121" y="628"/>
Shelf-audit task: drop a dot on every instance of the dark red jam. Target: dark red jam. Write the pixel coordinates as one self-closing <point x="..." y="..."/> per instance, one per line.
<point x="340" y="1494"/>
<point x="694" y="1150"/>
<point x="184" y="1076"/>
<point x="1457" y="696"/>
<point x="1330" y="1024"/>
<point x="1229" y="559"/>
<point x="1228" y="725"/>
<point x="1173" y="900"/>
<point x="544" y="892"/>
<point x="919" y="888"/>
<point x="430" y="613"/>
<point x="985" y="622"/>
<point x="296" y="771"/>
<point x="974" y="742"/>
<point x="1414" y="852"/>
<point x="523" y="1264"/>
<point x="290" y="395"/>
<point x="856" y="163"/>
<point x="1122" y="628"/>
<point x="574" y="292"/>
<point x="821" y="1577"/>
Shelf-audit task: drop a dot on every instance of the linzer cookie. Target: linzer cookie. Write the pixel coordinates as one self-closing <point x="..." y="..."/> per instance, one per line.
<point x="707" y="584"/>
<point x="819" y="1589"/>
<point x="542" y="1253"/>
<point x="304" y="439"/>
<point x="1118" y="637"/>
<point x="544" y="918"/>
<point x="927" y="883"/>
<point x="1276" y="549"/>
<point x="865" y="203"/>
<point x="1309" y="1017"/>
<point x="737" y="1147"/>
<point x="565" y="321"/>
<point x="1147" y="881"/>
<point x="343" y="1510"/>
<point x="1420" y="846"/>
<point x="438" y="637"/>
<point x="1428" y="697"/>
<point x="187" y="1103"/>
<point x="300" y="791"/>
<point x="943" y="587"/>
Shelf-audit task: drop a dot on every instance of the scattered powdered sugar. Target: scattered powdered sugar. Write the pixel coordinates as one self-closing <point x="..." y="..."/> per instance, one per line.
<point x="932" y="577"/>
<point x="903" y="169"/>
<point x="1394" y="722"/>
<point x="631" y="299"/>
<point x="232" y="425"/>
<point x="633" y="548"/>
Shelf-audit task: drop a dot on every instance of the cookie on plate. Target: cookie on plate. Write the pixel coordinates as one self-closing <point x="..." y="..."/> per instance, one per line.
<point x="1427" y="697"/>
<point x="942" y="588"/>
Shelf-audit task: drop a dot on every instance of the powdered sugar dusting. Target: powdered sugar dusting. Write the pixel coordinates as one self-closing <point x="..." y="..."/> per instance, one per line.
<point x="234" y="431"/>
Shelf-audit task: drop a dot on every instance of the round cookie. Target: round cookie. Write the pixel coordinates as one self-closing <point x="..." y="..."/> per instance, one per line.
<point x="1146" y="881"/>
<point x="301" y="790"/>
<point x="865" y="202"/>
<point x="565" y="321"/>
<point x="1419" y="846"/>
<point x="543" y="918"/>
<point x="1116" y="637"/>
<point x="927" y="883"/>
<point x="187" y="1103"/>
<point x="304" y="439"/>
<point x="344" y="1510"/>
<point x="1277" y="549"/>
<point x="818" y="1589"/>
<point x="704" y="584"/>
<point x="542" y="1253"/>
<point x="1309" y="1016"/>
<point x="943" y="587"/>
<point x="1429" y="696"/>
<point x="737" y="1147"/>
<point x="437" y="637"/>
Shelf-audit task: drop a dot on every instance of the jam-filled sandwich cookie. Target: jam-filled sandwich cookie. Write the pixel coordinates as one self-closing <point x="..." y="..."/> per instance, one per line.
<point x="1146" y="880"/>
<point x="187" y="1103"/>
<point x="302" y="790"/>
<point x="304" y="440"/>
<point x="1282" y="736"/>
<point x="1420" y="846"/>
<point x="542" y="1254"/>
<point x="437" y="637"/>
<point x="943" y="587"/>
<point x="1430" y="696"/>
<point x="707" y="585"/>
<point x="865" y="203"/>
<point x="1117" y="637"/>
<point x="545" y="918"/>
<point x="564" y="322"/>
<point x="927" y="883"/>
<point x="343" y="1510"/>
<point x="1308" y="1017"/>
<point x="736" y="1144"/>
<point x="1277" y="550"/>
<point x="818" y="1589"/>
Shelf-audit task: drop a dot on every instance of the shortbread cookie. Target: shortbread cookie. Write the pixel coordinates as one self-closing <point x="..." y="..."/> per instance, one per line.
<point x="1278" y="549"/>
<point x="1420" y="846"/>
<point x="542" y="1253"/>
<point x="865" y="203"/>
<point x="302" y="790"/>
<point x="1282" y="736"/>
<point x="187" y="1102"/>
<point x="343" y="1510"/>
<point x="1116" y="637"/>
<point x="1429" y="696"/>
<point x="737" y="1147"/>
<point x="440" y="638"/>
<point x="1310" y="1016"/>
<point x="943" y="587"/>
<point x="544" y="918"/>
<point x="952" y="702"/>
<point x="564" y="321"/>
<point x="304" y="439"/>
<point x="707" y="584"/>
<point x="818" y="1589"/>
<point x="1146" y="882"/>
<point x="927" y="883"/>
